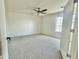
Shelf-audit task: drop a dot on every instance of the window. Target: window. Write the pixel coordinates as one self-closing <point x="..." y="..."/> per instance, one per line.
<point x="59" y="24"/>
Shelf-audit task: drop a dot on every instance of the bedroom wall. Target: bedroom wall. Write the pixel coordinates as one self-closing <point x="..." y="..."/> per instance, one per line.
<point x="19" y="24"/>
<point x="22" y="24"/>
<point x="49" y="23"/>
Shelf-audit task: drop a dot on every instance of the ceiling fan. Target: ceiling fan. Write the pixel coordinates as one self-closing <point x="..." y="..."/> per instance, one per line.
<point x="39" y="11"/>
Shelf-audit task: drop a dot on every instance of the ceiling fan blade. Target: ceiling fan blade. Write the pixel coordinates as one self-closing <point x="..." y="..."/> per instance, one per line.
<point x="44" y="10"/>
<point x="35" y="10"/>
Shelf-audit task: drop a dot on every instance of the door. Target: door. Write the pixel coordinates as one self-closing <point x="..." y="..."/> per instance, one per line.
<point x="74" y="45"/>
<point x="3" y="31"/>
<point x="66" y="26"/>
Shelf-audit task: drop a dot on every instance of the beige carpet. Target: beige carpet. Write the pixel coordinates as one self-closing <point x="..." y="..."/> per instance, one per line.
<point x="34" y="47"/>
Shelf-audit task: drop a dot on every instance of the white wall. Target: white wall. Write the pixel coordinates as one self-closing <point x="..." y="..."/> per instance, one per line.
<point x="22" y="24"/>
<point x="49" y="23"/>
<point x="19" y="24"/>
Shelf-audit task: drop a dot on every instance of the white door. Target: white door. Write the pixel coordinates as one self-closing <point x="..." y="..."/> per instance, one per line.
<point x="74" y="45"/>
<point x="3" y="31"/>
<point x="67" y="21"/>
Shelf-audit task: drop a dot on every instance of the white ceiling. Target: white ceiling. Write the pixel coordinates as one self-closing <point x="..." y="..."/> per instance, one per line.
<point x="27" y="6"/>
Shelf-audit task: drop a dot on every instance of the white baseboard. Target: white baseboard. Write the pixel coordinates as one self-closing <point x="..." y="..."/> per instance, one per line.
<point x="37" y="34"/>
<point x="49" y="35"/>
<point x="27" y="35"/>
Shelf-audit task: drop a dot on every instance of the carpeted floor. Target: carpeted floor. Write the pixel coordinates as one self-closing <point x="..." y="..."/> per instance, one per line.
<point x="34" y="47"/>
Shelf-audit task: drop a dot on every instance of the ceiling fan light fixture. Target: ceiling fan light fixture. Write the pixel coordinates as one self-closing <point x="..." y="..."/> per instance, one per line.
<point x="40" y="11"/>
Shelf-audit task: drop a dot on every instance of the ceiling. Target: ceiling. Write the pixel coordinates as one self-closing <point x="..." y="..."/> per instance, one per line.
<point x="27" y="6"/>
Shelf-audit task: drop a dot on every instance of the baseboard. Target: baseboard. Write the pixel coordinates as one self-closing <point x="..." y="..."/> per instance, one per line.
<point x="36" y="34"/>
<point x="49" y="35"/>
<point x="27" y="35"/>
